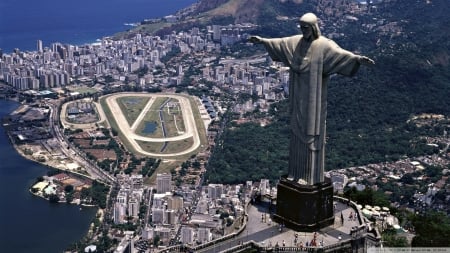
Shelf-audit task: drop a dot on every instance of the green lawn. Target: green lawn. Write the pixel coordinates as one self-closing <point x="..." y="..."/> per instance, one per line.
<point x="172" y="147"/>
<point x="132" y="106"/>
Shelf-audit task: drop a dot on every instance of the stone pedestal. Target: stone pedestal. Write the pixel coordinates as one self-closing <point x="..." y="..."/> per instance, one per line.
<point x="304" y="207"/>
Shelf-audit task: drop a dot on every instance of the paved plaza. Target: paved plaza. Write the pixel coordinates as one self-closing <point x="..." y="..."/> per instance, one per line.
<point x="267" y="233"/>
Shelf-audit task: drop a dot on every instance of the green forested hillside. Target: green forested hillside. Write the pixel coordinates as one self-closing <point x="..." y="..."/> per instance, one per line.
<point x="251" y="152"/>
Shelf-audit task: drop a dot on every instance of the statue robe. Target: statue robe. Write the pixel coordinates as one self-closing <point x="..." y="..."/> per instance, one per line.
<point x="311" y="63"/>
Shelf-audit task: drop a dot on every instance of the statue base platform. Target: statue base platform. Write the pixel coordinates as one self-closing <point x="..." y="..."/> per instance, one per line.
<point x="304" y="207"/>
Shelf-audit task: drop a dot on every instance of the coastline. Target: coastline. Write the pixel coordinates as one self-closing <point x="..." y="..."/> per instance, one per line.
<point x="51" y="164"/>
<point x="69" y="23"/>
<point x="22" y="152"/>
<point x="18" y="173"/>
<point x="77" y="202"/>
<point x="99" y="213"/>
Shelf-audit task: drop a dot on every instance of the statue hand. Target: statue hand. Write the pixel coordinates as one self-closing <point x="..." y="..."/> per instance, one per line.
<point x="364" y="60"/>
<point x="255" y="39"/>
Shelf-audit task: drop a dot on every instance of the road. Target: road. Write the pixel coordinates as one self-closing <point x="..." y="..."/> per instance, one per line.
<point x="142" y="114"/>
<point x="72" y="152"/>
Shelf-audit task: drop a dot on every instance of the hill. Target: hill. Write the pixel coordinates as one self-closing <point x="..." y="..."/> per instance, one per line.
<point x="221" y="12"/>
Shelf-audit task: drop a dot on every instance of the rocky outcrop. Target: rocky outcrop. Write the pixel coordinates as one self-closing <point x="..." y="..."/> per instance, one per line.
<point x="207" y="5"/>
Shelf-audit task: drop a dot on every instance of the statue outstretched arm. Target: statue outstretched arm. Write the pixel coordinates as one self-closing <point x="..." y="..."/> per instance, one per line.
<point x="255" y="39"/>
<point x="364" y="60"/>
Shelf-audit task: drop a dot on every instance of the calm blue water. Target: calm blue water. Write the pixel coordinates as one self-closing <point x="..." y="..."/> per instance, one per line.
<point x="29" y="223"/>
<point x="23" y="22"/>
<point x="150" y="127"/>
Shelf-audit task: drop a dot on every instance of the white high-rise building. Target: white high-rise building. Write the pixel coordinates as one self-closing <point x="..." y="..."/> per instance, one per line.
<point x="264" y="186"/>
<point x="202" y="206"/>
<point x="171" y="217"/>
<point x="204" y="235"/>
<point x="175" y="203"/>
<point x="147" y="233"/>
<point x="163" y="233"/>
<point x="187" y="235"/>
<point x="133" y="208"/>
<point x="217" y="32"/>
<point x="119" y="213"/>
<point x="122" y="197"/>
<point x="215" y="191"/>
<point x="158" y="201"/>
<point x="158" y="216"/>
<point x="163" y="182"/>
<point x="39" y="46"/>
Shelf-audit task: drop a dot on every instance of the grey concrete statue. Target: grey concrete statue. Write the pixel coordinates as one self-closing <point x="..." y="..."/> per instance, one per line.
<point x="312" y="58"/>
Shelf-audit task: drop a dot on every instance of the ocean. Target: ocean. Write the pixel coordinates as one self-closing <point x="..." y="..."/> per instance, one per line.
<point x="23" y="22"/>
<point x="29" y="223"/>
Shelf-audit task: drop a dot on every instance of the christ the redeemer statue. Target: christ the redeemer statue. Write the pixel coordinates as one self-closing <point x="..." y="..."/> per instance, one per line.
<point x="312" y="58"/>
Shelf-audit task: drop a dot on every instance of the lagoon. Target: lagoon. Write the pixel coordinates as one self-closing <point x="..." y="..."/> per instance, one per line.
<point x="30" y="223"/>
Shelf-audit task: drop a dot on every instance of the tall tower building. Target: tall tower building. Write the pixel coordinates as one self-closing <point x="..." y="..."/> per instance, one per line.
<point x="133" y="207"/>
<point x="119" y="213"/>
<point x="163" y="182"/>
<point x="39" y="47"/>
<point x="217" y="32"/>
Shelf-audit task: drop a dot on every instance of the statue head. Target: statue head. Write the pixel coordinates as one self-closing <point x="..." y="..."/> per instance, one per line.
<point x="310" y="26"/>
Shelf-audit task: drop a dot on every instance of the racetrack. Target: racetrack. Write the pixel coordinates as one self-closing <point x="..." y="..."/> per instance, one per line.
<point x="86" y="126"/>
<point x="132" y="137"/>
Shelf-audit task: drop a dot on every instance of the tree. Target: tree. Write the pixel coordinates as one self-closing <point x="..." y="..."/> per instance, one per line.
<point x="391" y="239"/>
<point x="196" y="164"/>
<point x="229" y="221"/>
<point x="367" y="197"/>
<point x="104" y="242"/>
<point x="68" y="188"/>
<point x="236" y="151"/>
<point x="69" y="197"/>
<point x="432" y="230"/>
<point x="224" y="215"/>
<point x="156" y="240"/>
<point x="407" y="179"/>
<point x="53" y="198"/>
<point x="85" y="193"/>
